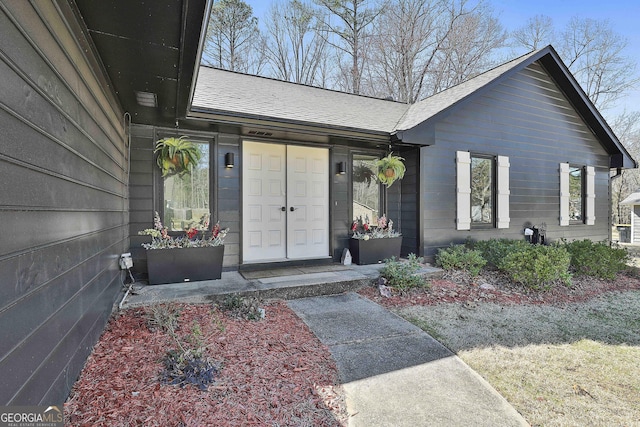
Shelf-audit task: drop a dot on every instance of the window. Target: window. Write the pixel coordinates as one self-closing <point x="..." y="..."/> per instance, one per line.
<point x="186" y="198"/>
<point x="482" y="184"/>
<point x="482" y="191"/>
<point x="577" y="194"/>
<point x="366" y="190"/>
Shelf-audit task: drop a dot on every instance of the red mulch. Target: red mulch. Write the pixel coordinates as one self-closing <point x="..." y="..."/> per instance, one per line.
<point x="459" y="287"/>
<point x="273" y="372"/>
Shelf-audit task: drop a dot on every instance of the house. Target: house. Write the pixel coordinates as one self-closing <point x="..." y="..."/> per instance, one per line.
<point x="631" y="234"/>
<point x="87" y="88"/>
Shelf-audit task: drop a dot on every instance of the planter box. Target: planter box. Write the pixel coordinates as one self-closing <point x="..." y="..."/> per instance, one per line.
<point x="184" y="264"/>
<point x="374" y="251"/>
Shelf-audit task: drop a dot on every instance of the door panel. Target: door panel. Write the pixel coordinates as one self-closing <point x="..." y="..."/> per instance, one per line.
<point x="308" y="223"/>
<point x="263" y="188"/>
<point x="293" y="177"/>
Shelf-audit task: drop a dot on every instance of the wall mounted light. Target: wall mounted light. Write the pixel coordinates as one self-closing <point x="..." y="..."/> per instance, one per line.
<point x="342" y="168"/>
<point x="228" y="160"/>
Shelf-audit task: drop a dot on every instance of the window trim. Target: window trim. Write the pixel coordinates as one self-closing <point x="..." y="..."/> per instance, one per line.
<point x="159" y="200"/>
<point x="501" y="191"/>
<point x="494" y="181"/>
<point x="588" y="195"/>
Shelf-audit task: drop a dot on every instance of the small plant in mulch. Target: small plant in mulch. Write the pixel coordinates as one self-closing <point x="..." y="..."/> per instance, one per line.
<point x="163" y="317"/>
<point x="186" y="364"/>
<point x="402" y="276"/>
<point x="242" y="308"/>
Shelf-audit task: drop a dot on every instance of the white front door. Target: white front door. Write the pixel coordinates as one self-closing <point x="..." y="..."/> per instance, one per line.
<point x="285" y="202"/>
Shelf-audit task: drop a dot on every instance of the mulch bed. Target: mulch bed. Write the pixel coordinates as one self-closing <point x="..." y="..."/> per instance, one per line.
<point x="272" y="372"/>
<point x="492" y="286"/>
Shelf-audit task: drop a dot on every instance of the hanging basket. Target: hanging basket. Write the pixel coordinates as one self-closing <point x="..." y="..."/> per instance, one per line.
<point x="390" y="169"/>
<point x="176" y="155"/>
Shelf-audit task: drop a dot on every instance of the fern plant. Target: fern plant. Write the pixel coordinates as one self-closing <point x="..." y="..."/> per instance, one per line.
<point x="390" y="169"/>
<point x="176" y="155"/>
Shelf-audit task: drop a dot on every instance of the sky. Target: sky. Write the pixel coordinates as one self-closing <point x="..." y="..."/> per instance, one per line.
<point x="624" y="16"/>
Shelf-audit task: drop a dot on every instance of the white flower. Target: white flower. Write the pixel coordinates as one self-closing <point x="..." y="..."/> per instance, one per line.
<point x="366" y="237"/>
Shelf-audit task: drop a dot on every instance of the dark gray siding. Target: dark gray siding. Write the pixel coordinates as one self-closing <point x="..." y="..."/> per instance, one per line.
<point x="528" y="119"/>
<point x="63" y="203"/>
<point x="146" y="189"/>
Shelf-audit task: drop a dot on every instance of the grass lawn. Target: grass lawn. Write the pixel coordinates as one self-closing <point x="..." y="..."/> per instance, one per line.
<point x="575" y="364"/>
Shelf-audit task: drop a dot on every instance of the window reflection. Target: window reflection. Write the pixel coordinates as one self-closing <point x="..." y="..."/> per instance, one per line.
<point x="366" y="190"/>
<point x="576" y="191"/>
<point x="481" y="190"/>
<point x="186" y="197"/>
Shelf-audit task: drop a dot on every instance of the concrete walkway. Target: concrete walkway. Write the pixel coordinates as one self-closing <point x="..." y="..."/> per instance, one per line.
<point x="394" y="374"/>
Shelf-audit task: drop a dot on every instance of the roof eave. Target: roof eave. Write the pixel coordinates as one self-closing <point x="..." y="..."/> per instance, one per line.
<point x="231" y="118"/>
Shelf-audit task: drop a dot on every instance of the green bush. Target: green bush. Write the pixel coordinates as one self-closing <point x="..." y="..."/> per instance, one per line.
<point x="596" y="259"/>
<point x="495" y="250"/>
<point x="402" y="275"/>
<point x="537" y="266"/>
<point x="460" y="257"/>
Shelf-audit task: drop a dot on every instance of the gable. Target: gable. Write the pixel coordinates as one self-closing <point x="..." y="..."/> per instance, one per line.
<point x="558" y="98"/>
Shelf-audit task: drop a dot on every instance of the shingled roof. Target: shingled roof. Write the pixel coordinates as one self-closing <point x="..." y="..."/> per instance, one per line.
<point x="245" y="96"/>
<point x="237" y="97"/>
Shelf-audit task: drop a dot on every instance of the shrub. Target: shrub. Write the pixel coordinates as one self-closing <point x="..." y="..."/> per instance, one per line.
<point x="242" y="308"/>
<point x="495" y="250"/>
<point x="460" y="257"/>
<point x="402" y="275"/>
<point x="596" y="259"/>
<point x="537" y="266"/>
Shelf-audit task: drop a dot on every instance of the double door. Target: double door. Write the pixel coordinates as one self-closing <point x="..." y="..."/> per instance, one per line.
<point x="285" y="193"/>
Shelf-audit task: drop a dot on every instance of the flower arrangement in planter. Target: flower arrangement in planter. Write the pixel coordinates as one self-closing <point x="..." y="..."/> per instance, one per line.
<point x="362" y="230"/>
<point x="390" y="169"/>
<point x="373" y="244"/>
<point x="160" y="238"/>
<point x="176" y="156"/>
<point x="184" y="258"/>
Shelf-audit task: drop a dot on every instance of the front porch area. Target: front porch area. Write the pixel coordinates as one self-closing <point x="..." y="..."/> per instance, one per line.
<point x="269" y="283"/>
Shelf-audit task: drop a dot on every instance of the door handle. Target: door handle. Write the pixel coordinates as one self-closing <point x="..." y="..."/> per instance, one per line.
<point x="283" y="209"/>
<point x="292" y="209"/>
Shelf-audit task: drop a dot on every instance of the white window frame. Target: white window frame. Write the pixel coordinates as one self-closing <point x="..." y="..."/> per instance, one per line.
<point x="463" y="191"/>
<point x="589" y="195"/>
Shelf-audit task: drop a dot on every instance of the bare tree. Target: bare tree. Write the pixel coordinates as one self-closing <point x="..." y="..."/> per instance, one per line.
<point x="297" y="45"/>
<point x="595" y="55"/>
<point x="418" y="46"/>
<point x="351" y="35"/>
<point x="233" y="40"/>
<point x="469" y="48"/>
<point x="406" y="38"/>
<point x="627" y="128"/>
<point x="592" y="51"/>
<point x="537" y="33"/>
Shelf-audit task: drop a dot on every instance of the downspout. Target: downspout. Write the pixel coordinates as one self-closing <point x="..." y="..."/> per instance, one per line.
<point x="617" y="175"/>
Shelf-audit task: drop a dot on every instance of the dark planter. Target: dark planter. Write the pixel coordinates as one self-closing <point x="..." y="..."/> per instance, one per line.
<point x="184" y="264"/>
<point x="374" y="251"/>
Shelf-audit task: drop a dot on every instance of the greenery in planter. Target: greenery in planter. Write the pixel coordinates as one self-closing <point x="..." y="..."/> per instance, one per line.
<point x="176" y="155"/>
<point x="390" y="169"/>
<point x="160" y="238"/>
<point x="362" y="230"/>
